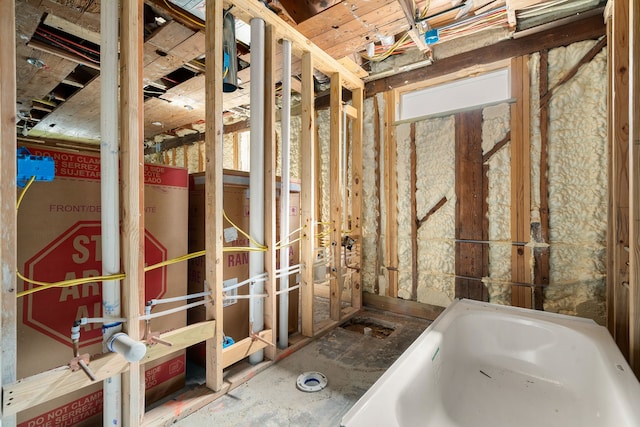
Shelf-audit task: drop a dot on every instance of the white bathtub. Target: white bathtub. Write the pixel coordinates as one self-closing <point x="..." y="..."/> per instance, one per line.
<point x="482" y="364"/>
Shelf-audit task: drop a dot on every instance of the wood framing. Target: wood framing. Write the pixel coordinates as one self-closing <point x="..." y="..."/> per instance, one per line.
<point x="336" y="282"/>
<point x="214" y="141"/>
<point x="415" y="223"/>
<point x="391" y="195"/>
<point x="618" y="166"/>
<point x="521" y="296"/>
<point x="469" y="207"/>
<point x="307" y="196"/>
<point x="8" y="223"/>
<point x="634" y="184"/>
<point x="132" y="133"/>
<point x="356" y="195"/>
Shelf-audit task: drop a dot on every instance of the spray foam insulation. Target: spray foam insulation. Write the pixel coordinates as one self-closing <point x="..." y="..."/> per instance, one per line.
<point x="370" y="197"/>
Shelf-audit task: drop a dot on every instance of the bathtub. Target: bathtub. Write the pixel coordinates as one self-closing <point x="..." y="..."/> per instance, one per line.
<point x="481" y="364"/>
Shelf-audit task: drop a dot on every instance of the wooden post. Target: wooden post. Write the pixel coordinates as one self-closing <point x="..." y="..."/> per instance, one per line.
<point x="618" y="166"/>
<point x="521" y="296"/>
<point x="307" y="197"/>
<point x="335" y="189"/>
<point x="270" y="316"/>
<point x="8" y="224"/>
<point x="356" y="195"/>
<point x="469" y="206"/>
<point x="131" y="137"/>
<point x="391" y="195"/>
<point x="634" y="194"/>
<point x="214" y="140"/>
<point x="413" y="156"/>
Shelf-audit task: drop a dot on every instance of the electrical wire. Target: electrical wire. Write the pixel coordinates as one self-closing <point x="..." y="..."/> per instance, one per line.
<point x="68" y="49"/>
<point x="251" y="239"/>
<point x="64" y="283"/>
<point x="382" y="56"/>
<point x="24" y="191"/>
<point x="184" y="15"/>
<point x="59" y="37"/>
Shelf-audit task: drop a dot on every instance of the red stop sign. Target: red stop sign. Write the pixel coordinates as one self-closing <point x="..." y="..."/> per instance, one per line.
<point x="76" y="253"/>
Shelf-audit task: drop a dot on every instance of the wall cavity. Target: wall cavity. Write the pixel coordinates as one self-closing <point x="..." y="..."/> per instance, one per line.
<point x="577" y="184"/>
<point x="435" y="159"/>
<point x="370" y="199"/>
<point x="495" y="126"/>
<point x="405" y="247"/>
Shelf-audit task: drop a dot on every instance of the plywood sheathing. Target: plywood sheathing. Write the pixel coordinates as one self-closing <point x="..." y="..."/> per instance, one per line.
<point x="577" y="184"/>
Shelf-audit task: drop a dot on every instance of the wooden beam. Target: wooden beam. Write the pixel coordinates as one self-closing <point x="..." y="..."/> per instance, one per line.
<point x="378" y="194"/>
<point x="43" y="387"/>
<point x="521" y="296"/>
<point x="469" y="210"/>
<point x="618" y="167"/>
<point x="300" y="44"/>
<point x="408" y="7"/>
<point x="356" y="195"/>
<point x="335" y="191"/>
<point x="433" y="210"/>
<point x="634" y="184"/>
<point x="402" y="306"/>
<point x="587" y="28"/>
<point x="8" y="224"/>
<point x="131" y="159"/>
<point x="307" y="196"/>
<point x="270" y="315"/>
<point x="415" y="224"/>
<point x="247" y="347"/>
<point x="214" y="141"/>
<point x="391" y="195"/>
<point x="497" y="147"/>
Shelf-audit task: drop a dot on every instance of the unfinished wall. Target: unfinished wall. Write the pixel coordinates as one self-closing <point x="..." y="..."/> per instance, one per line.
<point x="370" y="199"/>
<point x="495" y="126"/>
<point x="405" y="244"/>
<point x="295" y="131"/>
<point x="577" y="184"/>
<point x="435" y="159"/>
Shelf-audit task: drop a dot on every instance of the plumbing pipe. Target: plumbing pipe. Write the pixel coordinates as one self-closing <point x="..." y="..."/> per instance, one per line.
<point x="283" y="318"/>
<point x="110" y="211"/>
<point x="130" y="349"/>
<point x="256" y="178"/>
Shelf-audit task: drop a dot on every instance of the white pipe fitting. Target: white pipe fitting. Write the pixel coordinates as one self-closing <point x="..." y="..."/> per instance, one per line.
<point x="130" y="349"/>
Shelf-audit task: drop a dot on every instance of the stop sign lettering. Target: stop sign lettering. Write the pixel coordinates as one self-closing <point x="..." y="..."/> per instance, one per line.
<point x="76" y="253"/>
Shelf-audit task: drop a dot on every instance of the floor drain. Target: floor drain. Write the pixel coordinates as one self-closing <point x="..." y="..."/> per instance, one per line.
<point x="311" y="381"/>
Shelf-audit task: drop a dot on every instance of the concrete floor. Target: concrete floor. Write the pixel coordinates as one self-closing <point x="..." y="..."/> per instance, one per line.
<point x="351" y="361"/>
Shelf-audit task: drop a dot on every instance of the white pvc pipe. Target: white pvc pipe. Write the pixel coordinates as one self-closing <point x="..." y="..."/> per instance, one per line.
<point x="110" y="210"/>
<point x="256" y="179"/>
<point x="283" y="325"/>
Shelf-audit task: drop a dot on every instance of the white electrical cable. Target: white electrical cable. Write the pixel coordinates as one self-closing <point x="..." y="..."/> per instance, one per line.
<point x="292" y="288"/>
<point x="178" y="299"/>
<point x="173" y="310"/>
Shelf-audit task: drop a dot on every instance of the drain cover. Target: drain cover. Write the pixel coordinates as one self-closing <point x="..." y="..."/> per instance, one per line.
<point x="311" y="381"/>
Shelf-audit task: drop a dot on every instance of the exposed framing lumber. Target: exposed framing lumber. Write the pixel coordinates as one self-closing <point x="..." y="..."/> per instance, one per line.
<point x="433" y="210"/>
<point x="132" y="133"/>
<point x="356" y="195"/>
<point x="521" y="296"/>
<point x="336" y="282"/>
<point x="618" y="168"/>
<point x="307" y="196"/>
<point x="41" y="388"/>
<point x="497" y="147"/>
<point x="574" y="70"/>
<point x="248" y="346"/>
<point x="8" y="219"/>
<point x="415" y="224"/>
<point x="541" y="254"/>
<point x="323" y="62"/>
<point x="587" y="28"/>
<point x="408" y="7"/>
<point x="469" y="186"/>
<point x="402" y="306"/>
<point x="213" y="189"/>
<point x="391" y="195"/>
<point x="270" y="315"/>
<point x="634" y="183"/>
<point x="378" y="193"/>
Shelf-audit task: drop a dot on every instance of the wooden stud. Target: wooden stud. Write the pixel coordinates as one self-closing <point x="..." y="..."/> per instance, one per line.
<point x="618" y="166"/>
<point x="185" y="156"/>
<point x="413" y="155"/>
<point x="307" y="197"/>
<point x="173" y="156"/>
<point x="521" y="296"/>
<point x="270" y="315"/>
<point x="131" y="137"/>
<point x="356" y="195"/>
<point x="391" y="195"/>
<point x="200" y="157"/>
<point x="469" y="210"/>
<point x="634" y="196"/>
<point x="378" y="195"/>
<point x="8" y="224"/>
<point x="335" y="189"/>
<point x="213" y="189"/>
<point x="236" y="151"/>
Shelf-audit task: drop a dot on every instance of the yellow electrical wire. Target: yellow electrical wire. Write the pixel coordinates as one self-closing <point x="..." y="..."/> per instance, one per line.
<point x="63" y="283"/>
<point x="382" y="56"/>
<point x="258" y="245"/>
<point x="23" y="192"/>
<point x="288" y="244"/>
<point x="425" y="10"/>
